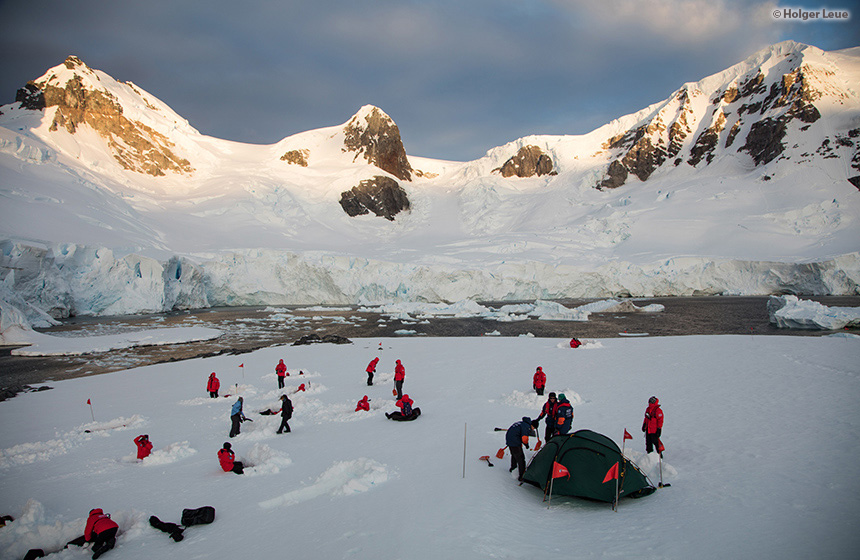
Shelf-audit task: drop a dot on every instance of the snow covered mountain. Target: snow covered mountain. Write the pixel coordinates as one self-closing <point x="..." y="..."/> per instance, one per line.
<point x="740" y="183"/>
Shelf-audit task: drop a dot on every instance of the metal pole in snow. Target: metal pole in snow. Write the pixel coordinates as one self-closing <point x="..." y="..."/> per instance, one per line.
<point x="89" y="402"/>
<point x="549" y="502"/>
<point x="465" y="427"/>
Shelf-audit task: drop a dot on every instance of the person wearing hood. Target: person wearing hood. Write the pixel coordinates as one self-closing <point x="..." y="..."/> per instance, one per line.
<point x="399" y="377"/>
<point x="371" y="369"/>
<point x="563" y="415"/>
<point x="548" y="411"/>
<point x="236" y="416"/>
<point x="213" y="385"/>
<point x="228" y="460"/>
<point x="144" y="446"/>
<point x="652" y="425"/>
<point x="101" y="531"/>
<point x="286" y="413"/>
<point x="281" y="372"/>
<point x="539" y="381"/>
<point x="406" y="411"/>
<point x="516" y="437"/>
<point x="363" y="404"/>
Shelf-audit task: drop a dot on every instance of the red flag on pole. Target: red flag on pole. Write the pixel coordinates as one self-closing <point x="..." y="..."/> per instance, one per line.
<point x="89" y="403"/>
<point x="660" y="447"/>
<point x="627" y="434"/>
<point x="242" y="364"/>
<point x="611" y="474"/>
<point x="559" y="470"/>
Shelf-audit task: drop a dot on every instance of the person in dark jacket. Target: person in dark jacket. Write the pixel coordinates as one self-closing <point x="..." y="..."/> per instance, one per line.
<point x="371" y="369"/>
<point x="144" y="446"/>
<point x="652" y="425"/>
<point x="236" y="417"/>
<point x="563" y="415"/>
<point x="286" y="414"/>
<point x="213" y="385"/>
<point x="516" y="437"/>
<point x="101" y="531"/>
<point x="539" y="381"/>
<point x="228" y="460"/>
<point x="548" y="412"/>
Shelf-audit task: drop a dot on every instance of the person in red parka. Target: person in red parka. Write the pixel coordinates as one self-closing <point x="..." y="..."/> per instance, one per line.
<point x="363" y="404"/>
<point x="406" y="411"/>
<point x="371" y="369"/>
<point x="101" y="531"/>
<point x="399" y="377"/>
<point x="281" y="372"/>
<point x="228" y="460"/>
<point x="144" y="446"/>
<point x="652" y="425"/>
<point x="539" y="381"/>
<point x="575" y="343"/>
<point x="213" y="385"/>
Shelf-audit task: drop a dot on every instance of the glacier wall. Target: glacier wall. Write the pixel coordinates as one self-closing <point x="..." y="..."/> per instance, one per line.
<point x="59" y="280"/>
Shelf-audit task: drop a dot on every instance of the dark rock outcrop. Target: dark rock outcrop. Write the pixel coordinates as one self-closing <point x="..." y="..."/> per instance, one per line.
<point x="31" y="97"/>
<point x="381" y="195"/>
<point x="316" y="339"/>
<point x="297" y="157"/>
<point x="530" y="161"/>
<point x="764" y="141"/>
<point x="374" y="135"/>
<point x="615" y="176"/>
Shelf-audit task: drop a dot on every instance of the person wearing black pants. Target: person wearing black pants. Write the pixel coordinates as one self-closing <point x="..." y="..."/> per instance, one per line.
<point x="516" y="437"/>
<point x="104" y="541"/>
<point x="236" y="416"/>
<point x="286" y="414"/>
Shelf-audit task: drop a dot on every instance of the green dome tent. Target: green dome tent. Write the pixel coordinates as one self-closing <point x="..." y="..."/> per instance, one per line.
<point x="588" y="457"/>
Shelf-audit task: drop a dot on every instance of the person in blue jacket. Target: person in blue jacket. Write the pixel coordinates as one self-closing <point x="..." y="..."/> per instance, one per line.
<point x="515" y="438"/>
<point x="563" y="415"/>
<point x="236" y="415"/>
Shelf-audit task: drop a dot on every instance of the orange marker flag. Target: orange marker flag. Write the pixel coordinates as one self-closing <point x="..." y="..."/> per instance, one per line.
<point x="611" y="474"/>
<point x="559" y="470"/>
<point x="627" y="434"/>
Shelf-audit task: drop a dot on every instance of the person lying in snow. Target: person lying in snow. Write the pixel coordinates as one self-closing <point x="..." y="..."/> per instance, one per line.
<point x="228" y="460"/>
<point x="363" y="404"/>
<point x="101" y="531"/>
<point x="144" y="446"/>
<point x="406" y="411"/>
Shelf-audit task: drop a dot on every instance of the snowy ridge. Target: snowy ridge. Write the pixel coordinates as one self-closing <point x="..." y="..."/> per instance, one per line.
<point x="735" y="184"/>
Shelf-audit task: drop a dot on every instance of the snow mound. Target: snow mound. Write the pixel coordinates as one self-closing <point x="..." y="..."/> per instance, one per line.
<point x="789" y="312"/>
<point x="262" y="459"/>
<point x="341" y="479"/>
<point x="170" y="454"/>
<point x="520" y="399"/>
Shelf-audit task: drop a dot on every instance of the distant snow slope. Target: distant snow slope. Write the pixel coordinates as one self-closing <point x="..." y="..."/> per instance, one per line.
<point x="736" y="184"/>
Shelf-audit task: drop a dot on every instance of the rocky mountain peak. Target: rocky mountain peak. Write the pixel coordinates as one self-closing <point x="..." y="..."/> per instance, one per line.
<point x="81" y="96"/>
<point x="372" y="134"/>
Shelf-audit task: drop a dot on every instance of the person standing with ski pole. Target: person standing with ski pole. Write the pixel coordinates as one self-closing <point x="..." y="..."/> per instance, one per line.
<point x="652" y="425"/>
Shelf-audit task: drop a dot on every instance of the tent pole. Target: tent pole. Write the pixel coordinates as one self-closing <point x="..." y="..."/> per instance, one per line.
<point x="549" y="503"/>
<point x="465" y="427"/>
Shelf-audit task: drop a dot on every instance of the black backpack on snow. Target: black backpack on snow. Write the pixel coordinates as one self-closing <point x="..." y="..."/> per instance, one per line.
<point x="199" y="516"/>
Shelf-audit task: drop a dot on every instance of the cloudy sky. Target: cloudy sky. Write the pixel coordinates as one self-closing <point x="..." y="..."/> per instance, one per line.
<point x="459" y="77"/>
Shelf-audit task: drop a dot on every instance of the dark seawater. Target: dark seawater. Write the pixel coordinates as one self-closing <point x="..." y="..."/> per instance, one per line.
<point x="250" y="328"/>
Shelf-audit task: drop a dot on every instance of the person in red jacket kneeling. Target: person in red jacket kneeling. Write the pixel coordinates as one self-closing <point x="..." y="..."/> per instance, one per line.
<point x="144" y="446"/>
<point x="101" y="531"/>
<point x="363" y="404"/>
<point x="228" y="460"/>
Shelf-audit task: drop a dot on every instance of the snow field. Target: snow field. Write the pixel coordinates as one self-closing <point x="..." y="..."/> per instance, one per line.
<point x="760" y="436"/>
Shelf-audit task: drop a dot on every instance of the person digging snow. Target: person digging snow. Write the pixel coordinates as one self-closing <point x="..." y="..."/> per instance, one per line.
<point x="228" y="460"/>
<point x="213" y="385"/>
<point x="406" y="411"/>
<point x="539" y="381"/>
<point x="371" y="369"/>
<point x="144" y="446"/>
<point x="652" y="425"/>
<point x="281" y="372"/>
<point x="101" y="531"/>
<point x="399" y="377"/>
<point x="563" y="415"/>
<point x="363" y="404"/>
<point x="237" y="417"/>
<point x="548" y="411"/>
<point x="516" y="437"/>
<point x="286" y="413"/>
